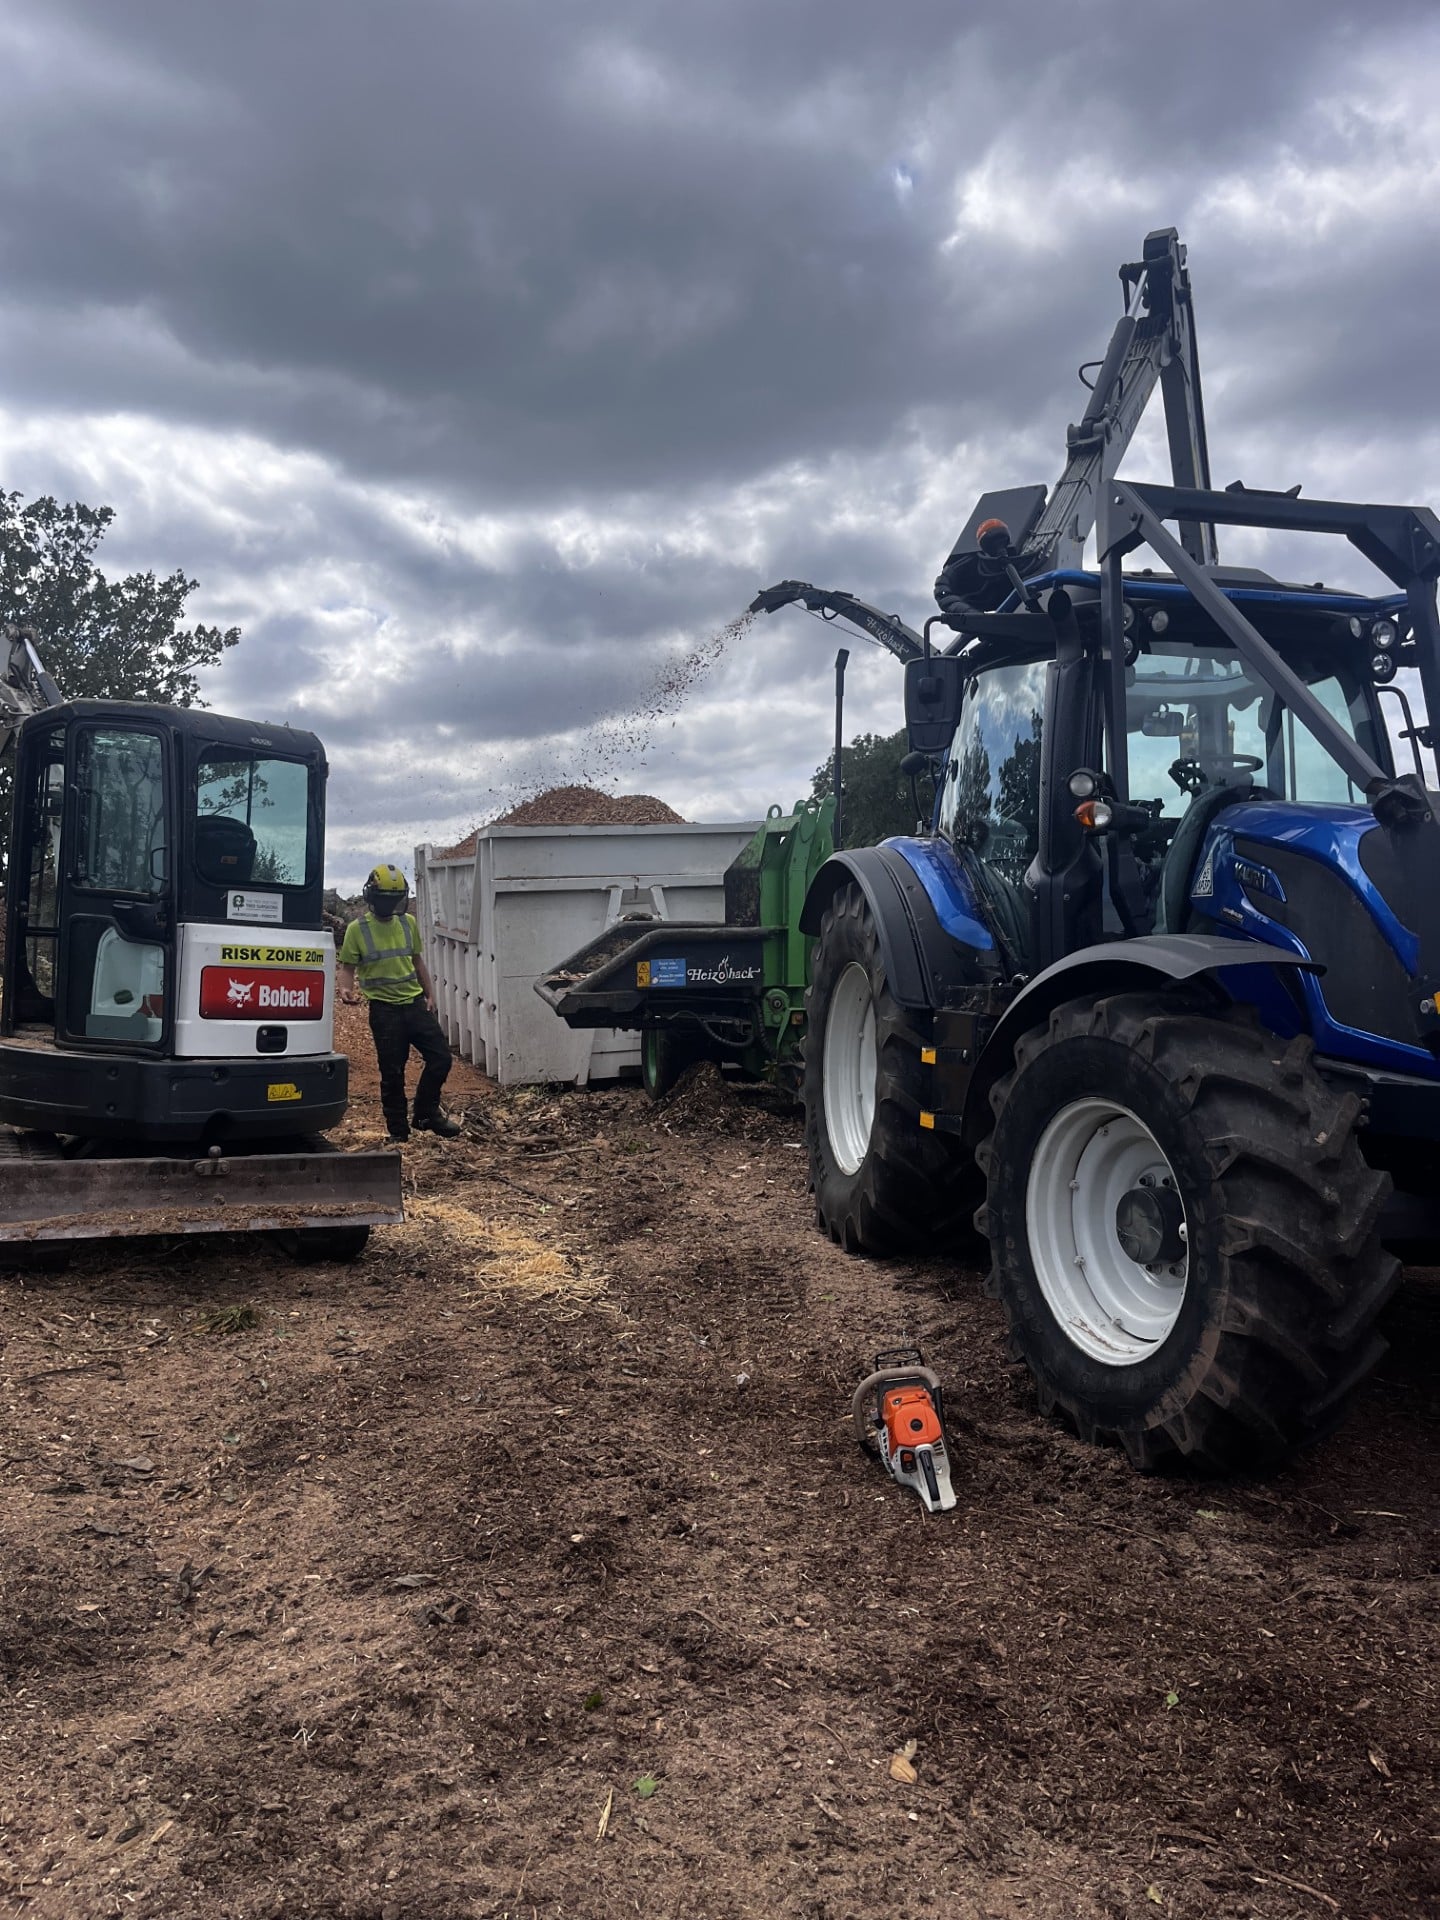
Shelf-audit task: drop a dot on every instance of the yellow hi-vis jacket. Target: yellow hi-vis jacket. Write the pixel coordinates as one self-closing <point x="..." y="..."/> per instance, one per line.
<point x="383" y="954"/>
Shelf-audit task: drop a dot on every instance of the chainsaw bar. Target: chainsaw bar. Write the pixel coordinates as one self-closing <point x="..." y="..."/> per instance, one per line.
<point x="899" y="1413"/>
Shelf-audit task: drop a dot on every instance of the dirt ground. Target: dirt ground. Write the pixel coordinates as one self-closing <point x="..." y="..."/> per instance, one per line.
<point x="528" y="1568"/>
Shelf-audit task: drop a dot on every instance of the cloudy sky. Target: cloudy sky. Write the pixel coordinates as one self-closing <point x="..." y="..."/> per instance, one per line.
<point x="482" y="357"/>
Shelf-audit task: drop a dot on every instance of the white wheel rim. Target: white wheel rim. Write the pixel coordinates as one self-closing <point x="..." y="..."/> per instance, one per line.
<point x="1111" y="1307"/>
<point x="849" y="1068"/>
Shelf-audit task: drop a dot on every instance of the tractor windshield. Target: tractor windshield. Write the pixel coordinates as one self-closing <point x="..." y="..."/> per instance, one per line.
<point x="1197" y="719"/>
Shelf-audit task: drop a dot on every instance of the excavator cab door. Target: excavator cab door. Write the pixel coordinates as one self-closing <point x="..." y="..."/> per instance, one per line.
<point x="117" y="931"/>
<point x="89" y="954"/>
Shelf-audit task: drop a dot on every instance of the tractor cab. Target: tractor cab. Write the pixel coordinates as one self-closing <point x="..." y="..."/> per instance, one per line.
<point x="1203" y="731"/>
<point x="167" y="973"/>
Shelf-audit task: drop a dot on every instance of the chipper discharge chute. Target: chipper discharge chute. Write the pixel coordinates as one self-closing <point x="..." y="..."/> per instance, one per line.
<point x="732" y="993"/>
<point x="166" y="1024"/>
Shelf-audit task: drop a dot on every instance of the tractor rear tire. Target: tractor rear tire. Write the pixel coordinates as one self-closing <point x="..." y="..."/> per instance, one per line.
<point x="882" y="1184"/>
<point x="1225" y="1321"/>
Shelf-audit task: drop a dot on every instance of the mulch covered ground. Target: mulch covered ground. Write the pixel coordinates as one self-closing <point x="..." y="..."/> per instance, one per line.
<point x="528" y="1568"/>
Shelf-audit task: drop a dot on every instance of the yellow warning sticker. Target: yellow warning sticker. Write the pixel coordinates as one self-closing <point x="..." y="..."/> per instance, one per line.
<point x="274" y="956"/>
<point x="282" y="1090"/>
<point x="642" y="973"/>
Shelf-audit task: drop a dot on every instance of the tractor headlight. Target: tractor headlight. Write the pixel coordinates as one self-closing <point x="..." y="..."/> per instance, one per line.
<point x="1383" y="635"/>
<point x="1083" y="784"/>
<point x="1357" y="626"/>
<point x="1382" y="668"/>
<point x="1159" y="620"/>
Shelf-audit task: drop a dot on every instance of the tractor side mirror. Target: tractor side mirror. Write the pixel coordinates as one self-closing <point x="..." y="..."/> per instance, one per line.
<point x="934" y="691"/>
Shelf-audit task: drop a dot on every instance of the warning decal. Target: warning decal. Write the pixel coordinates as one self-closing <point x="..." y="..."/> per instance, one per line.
<point x="275" y="956"/>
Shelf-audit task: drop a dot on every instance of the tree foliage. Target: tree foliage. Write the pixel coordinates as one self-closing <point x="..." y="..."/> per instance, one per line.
<point x="876" y="794"/>
<point x="99" y="638"/>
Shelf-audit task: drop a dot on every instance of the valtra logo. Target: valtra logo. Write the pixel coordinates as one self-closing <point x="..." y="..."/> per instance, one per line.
<point x="261" y="993"/>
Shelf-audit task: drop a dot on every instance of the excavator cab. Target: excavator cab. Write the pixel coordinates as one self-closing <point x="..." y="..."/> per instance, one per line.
<point x="167" y="972"/>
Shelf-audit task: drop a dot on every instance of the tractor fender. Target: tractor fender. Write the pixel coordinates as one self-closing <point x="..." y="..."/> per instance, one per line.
<point x="1115" y="966"/>
<point x="922" y="961"/>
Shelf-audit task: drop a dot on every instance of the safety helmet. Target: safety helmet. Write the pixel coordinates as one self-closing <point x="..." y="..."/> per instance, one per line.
<point x="386" y="890"/>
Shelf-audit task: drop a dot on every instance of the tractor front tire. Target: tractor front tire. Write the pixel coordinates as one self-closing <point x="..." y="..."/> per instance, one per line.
<point x="1185" y="1235"/>
<point x="882" y="1184"/>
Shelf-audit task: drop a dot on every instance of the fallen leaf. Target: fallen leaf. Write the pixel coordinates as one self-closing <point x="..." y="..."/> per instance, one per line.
<point x="605" y="1815"/>
<point x="1153" y="1893"/>
<point x="140" y="1464"/>
<point x="646" y="1785"/>
<point x="1172" y="1700"/>
<point x="900" y="1767"/>
<point x="1377" y="1761"/>
<point x="413" y="1580"/>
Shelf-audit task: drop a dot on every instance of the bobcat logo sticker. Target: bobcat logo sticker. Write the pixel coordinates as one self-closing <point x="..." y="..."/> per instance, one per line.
<point x="239" y="992"/>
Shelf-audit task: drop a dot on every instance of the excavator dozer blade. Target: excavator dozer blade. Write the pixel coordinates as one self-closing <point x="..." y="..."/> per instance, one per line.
<point x="44" y="1198"/>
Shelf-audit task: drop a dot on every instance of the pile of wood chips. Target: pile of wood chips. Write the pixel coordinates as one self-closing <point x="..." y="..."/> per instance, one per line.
<point x="577" y="807"/>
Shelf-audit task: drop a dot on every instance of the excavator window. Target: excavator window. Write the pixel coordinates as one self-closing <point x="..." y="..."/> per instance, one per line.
<point x="43" y="803"/>
<point x="252" y="820"/>
<point x="121" y="825"/>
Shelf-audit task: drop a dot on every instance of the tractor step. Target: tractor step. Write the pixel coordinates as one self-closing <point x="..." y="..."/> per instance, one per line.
<point x="46" y="1196"/>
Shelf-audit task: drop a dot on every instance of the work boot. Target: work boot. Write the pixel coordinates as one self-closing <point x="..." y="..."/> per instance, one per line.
<point x="441" y="1123"/>
<point x="399" y="1133"/>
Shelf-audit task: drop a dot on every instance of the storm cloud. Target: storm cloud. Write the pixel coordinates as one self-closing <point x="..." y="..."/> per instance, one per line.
<point x="481" y="360"/>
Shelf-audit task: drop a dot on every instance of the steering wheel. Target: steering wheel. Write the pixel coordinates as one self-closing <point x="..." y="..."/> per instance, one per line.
<point x="1192" y="777"/>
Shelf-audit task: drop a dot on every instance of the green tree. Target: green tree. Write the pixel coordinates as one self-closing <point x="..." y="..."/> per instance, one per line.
<point x="876" y="794"/>
<point x="100" y="639"/>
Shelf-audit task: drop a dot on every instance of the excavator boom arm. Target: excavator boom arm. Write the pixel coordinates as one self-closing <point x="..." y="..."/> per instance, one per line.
<point x="25" y="686"/>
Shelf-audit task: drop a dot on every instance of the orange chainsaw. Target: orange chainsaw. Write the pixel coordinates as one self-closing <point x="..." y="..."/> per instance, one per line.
<point x="899" y="1413"/>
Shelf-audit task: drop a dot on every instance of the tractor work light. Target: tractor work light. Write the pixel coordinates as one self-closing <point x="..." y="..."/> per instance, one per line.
<point x="1382" y="668"/>
<point x="1357" y="626"/>
<point x="1159" y="620"/>
<point x="1383" y="635"/>
<point x="1083" y="784"/>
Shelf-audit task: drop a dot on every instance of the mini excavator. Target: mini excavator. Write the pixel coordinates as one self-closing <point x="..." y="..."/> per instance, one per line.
<point x="166" y="1025"/>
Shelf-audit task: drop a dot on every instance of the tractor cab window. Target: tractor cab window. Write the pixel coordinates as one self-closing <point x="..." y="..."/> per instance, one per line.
<point x="1204" y="732"/>
<point x="252" y="820"/>
<point x="1198" y="720"/>
<point x="990" y="800"/>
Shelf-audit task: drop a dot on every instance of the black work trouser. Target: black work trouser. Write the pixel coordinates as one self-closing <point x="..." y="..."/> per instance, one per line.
<point x="396" y="1028"/>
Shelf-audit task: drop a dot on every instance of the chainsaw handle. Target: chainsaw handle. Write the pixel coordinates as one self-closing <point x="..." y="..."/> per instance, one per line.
<point x="867" y="1396"/>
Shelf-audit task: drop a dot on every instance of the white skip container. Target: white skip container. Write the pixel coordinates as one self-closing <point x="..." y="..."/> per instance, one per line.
<point x="494" y="920"/>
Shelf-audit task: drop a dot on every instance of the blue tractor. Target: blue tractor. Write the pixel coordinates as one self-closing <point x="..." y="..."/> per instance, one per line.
<point x="1155" y="1002"/>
